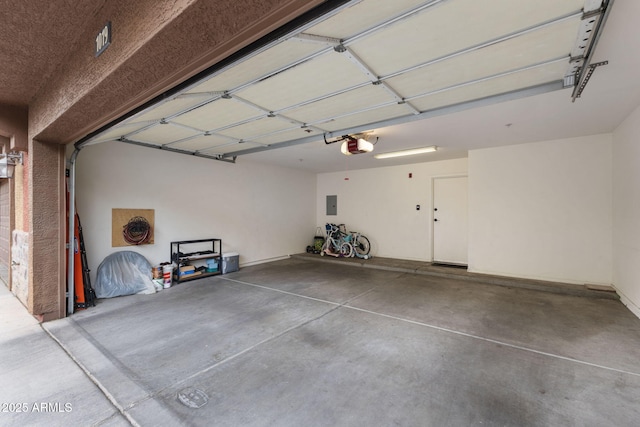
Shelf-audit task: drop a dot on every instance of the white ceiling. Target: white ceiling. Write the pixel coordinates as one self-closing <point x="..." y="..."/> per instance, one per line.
<point x="475" y="74"/>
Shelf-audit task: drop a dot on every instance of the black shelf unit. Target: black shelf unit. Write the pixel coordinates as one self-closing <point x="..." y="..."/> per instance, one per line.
<point x="185" y="252"/>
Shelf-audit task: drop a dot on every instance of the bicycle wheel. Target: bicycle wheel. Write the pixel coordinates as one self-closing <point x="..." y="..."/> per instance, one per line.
<point x="362" y="245"/>
<point x="346" y="250"/>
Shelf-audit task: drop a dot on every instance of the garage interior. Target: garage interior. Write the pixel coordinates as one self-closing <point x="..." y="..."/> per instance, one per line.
<point x="320" y="342"/>
<point x="535" y="107"/>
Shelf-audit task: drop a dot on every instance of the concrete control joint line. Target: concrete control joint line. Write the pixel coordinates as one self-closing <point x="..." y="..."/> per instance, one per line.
<point x="439" y="328"/>
<point x="94" y="380"/>
<point x="493" y="341"/>
<point x="266" y="340"/>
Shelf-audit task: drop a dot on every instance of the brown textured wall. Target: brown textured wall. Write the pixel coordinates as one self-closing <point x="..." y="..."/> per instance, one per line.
<point x="34" y="37"/>
<point x="13" y="125"/>
<point x="47" y="237"/>
<point x="155" y="44"/>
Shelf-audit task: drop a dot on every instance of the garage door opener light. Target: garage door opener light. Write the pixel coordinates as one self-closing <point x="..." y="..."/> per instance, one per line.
<point x="411" y="152"/>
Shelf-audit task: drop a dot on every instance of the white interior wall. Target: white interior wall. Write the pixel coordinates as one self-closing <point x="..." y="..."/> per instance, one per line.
<point x="381" y="203"/>
<point x="259" y="211"/>
<point x="543" y="210"/>
<point x="626" y="208"/>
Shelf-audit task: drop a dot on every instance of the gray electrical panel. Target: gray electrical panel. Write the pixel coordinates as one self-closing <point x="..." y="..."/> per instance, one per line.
<point x="332" y="205"/>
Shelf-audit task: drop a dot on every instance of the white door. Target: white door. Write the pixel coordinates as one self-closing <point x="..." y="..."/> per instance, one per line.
<point x="450" y="220"/>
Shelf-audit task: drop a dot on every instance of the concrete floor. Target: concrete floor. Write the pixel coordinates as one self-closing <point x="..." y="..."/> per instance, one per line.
<point x="40" y="385"/>
<point x="305" y="343"/>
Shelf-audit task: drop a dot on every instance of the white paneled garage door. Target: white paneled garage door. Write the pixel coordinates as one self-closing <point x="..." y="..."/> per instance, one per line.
<point x="370" y="63"/>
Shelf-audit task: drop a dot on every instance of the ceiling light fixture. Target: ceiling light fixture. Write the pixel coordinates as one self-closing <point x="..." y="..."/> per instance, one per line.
<point x="356" y="146"/>
<point x="411" y="152"/>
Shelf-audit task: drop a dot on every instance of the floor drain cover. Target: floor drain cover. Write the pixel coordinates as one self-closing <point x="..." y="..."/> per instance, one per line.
<point x="193" y="398"/>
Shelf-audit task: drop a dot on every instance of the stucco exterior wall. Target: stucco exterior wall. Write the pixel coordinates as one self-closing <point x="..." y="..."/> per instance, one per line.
<point x="13" y="126"/>
<point x="47" y="282"/>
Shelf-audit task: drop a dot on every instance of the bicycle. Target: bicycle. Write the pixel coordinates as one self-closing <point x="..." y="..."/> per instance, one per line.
<point x="360" y="243"/>
<point x="336" y="243"/>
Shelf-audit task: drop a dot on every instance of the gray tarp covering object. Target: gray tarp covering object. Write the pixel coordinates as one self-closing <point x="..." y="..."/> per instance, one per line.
<point x="124" y="273"/>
